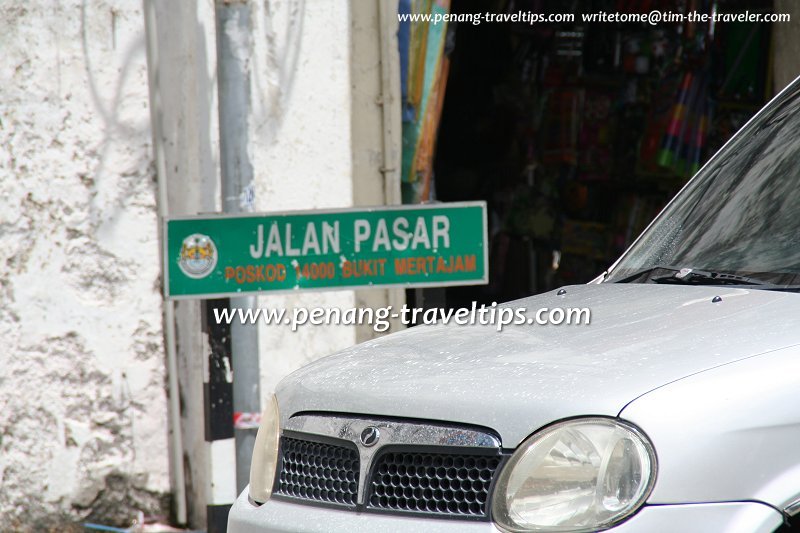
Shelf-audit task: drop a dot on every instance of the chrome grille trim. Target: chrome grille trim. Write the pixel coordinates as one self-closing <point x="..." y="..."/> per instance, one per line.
<point x="392" y="433"/>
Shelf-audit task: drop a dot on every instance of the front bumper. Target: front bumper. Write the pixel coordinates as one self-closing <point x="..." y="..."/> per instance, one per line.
<point x="284" y="517"/>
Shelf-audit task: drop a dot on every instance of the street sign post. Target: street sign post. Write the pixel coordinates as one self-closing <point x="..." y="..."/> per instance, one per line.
<point x="429" y="245"/>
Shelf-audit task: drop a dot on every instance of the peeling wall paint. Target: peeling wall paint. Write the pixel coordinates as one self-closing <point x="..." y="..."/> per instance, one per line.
<point x="83" y="429"/>
<point x="82" y="400"/>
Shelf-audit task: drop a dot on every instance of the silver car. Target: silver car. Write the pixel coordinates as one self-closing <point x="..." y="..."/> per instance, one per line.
<point x="676" y="410"/>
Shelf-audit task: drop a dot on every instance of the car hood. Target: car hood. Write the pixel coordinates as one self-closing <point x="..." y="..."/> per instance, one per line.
<point x="522" y="378"/>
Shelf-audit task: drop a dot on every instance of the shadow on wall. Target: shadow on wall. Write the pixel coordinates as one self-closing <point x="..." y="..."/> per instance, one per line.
<point x="275" y="60"/>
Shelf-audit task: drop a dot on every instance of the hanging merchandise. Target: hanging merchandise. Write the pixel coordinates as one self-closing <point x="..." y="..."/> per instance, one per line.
<point x="670" y="143"/>
<point x="424" y="69"/>
<point x="658" y="121"/>
<point x="403" y="44"/>
<point x="576" y="134"/>
<point x="685" y="137"/>
<point x="694" y="134"/>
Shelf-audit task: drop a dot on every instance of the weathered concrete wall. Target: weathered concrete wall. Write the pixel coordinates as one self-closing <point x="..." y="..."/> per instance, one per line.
<point x="301" y="150"/>
<point x="183" y="68"/>
<point x="375" y="124"/>
<point x="82" y="400"/>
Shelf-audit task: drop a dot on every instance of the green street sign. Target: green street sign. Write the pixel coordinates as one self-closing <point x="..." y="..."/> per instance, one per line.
<point x="430" y="245"/>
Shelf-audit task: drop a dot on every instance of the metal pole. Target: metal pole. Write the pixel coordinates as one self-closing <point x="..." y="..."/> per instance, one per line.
<point x="233" y="78"/>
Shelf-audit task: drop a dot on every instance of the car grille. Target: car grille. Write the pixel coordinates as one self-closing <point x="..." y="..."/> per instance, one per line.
<point x="455" y="483"/>
<point x="450" y="484"/>
<point x="318" y="471"/>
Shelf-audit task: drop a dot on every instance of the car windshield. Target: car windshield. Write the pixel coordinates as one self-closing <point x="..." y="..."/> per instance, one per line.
<point x="740" y="215"/>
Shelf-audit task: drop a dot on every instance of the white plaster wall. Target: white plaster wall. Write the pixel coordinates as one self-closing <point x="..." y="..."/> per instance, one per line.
<point x="301" y="150"/>
<point x="82" y="400"/>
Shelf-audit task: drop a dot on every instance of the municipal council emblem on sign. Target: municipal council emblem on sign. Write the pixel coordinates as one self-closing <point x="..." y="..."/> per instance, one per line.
<point x="198" y="256"/>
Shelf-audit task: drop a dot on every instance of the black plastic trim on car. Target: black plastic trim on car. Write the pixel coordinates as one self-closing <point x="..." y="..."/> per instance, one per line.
<point x="320" y="439"/>
<point x="439" y="450"/>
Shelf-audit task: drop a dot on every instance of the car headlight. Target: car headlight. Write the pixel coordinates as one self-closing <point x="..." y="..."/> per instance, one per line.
<point x="579" y="475"/>
<point x="265" y="453"/>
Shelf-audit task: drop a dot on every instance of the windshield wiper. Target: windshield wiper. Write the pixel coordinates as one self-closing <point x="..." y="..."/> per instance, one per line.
<point x="646" y="272"/>
<point x="690" y="276"/>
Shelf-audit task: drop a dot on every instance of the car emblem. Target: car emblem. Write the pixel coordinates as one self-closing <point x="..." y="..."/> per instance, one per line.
<point x="370" y="436"/>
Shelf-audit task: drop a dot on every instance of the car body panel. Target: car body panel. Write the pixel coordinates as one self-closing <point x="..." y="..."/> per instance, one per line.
<point x="284" y="517"/>
<point x="724" y="517"/>
<point x="731" y="433"/>
<point x="641" y="337"/>
<point x="277" y="516"/>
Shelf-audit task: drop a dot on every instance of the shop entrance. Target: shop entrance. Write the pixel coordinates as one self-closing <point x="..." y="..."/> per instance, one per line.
<point x="577" y="135"/>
